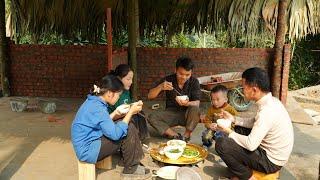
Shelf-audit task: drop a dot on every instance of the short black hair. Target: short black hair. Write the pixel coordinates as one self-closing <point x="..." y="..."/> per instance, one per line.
<point x="218" y="88"/>
<point x="185" y="62"/>
<point x="257" y="77"/>
<point x="108" y="83"/>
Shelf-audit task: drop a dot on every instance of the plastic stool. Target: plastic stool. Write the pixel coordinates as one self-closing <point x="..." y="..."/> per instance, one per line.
<point x="262" y="176"/>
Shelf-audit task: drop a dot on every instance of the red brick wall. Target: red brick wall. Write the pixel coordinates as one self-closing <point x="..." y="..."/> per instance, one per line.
<point x="57" y="71"/>
<point x="154" y="63"/>
<point x="119" y="56"/>
<point x="69" y="71"/>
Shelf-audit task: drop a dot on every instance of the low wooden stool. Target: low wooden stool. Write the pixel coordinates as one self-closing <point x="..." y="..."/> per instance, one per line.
<point x="87" y="171"/>
<point x="262" y="176"/>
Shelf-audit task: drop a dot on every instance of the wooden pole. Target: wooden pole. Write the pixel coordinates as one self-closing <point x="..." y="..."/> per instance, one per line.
<point x="285" y="73"/>
<point x="132" y="53"/>
<point x="3" y="51"/>
<point x="278" y="46"/>
<point x="136" y="15"/>
<point x="109" y="39"/>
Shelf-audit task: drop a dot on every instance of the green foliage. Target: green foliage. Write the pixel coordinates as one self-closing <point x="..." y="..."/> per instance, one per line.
<point x="7" y="3"/>
<point x="120" y="39"/>
<point x="157" y="38"/>
<point x="220" y="39"/>
<point x="215" y="40"/>
<point x="50" y="39"/>
<point x="183" y="41"/>
<point x="305" y="66"/>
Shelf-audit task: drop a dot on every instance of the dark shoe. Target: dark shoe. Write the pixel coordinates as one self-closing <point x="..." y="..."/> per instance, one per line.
<point x="186" y="139"/>
<point x="121" y="162"/>
<point x="207" y="144"/>
<point x="179" y="137"/>
<point x="140" y="172"/>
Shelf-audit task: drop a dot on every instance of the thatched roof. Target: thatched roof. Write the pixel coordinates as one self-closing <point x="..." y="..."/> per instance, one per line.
<point x="66" y="17"/>
<point x="86" y="17"/>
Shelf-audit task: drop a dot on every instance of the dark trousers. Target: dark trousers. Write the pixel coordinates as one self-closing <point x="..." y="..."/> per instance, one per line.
<point x="130" y="148"/>
<point x="141" y="124"/>
<point x="163" y="120"/>
<point x="241" y="161"/>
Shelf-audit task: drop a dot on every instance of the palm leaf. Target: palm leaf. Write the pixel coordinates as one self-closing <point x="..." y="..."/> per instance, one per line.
<point x="242" y="18"/>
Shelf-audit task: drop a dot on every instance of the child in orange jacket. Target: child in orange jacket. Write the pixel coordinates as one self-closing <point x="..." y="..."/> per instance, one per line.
<point x="219" y="101"/>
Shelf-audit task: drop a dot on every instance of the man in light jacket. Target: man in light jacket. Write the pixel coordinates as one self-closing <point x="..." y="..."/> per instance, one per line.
<point x="263" y="143"/>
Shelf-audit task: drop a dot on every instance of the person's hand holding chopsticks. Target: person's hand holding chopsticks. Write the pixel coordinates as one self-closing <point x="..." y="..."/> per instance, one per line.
<point x="166" y="86"/>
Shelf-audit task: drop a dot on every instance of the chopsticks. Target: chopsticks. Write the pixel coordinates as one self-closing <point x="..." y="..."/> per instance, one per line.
<point x="177" y="91"/>
<point x="138" y="112"/>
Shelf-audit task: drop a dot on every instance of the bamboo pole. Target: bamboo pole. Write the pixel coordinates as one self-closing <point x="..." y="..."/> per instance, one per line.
<point x="3" y="51"/>
<point x="132" y="53"/>
<point x="278" y="46"/>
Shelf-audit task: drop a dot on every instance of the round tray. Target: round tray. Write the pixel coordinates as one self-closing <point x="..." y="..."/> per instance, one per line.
<point x="154" y="153"/>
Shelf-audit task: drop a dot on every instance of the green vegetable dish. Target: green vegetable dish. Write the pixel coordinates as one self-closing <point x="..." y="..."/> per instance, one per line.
<point x="174" y="151"/>
<point x="190" y="153"/>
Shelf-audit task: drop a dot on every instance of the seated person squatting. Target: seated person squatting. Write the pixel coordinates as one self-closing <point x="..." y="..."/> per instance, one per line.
<point x="219" y="101"/>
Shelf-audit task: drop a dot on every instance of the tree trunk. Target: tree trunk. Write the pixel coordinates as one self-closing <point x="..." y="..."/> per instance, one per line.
<point x="132" y="53"/>
<point x="3" y="51"/>
<point x="136" y="14"/>
<point x="278" y="46"/>
<point x="108" y="26"/>
<point x="285" y="73"/>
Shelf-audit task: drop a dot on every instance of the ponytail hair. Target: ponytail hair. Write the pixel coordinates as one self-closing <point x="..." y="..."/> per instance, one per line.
<point x="108" y="83"/>
<point x="121" y="70"/>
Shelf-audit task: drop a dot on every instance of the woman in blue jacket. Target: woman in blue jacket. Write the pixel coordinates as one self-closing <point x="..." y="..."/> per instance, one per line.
<point x="95" y="135"/>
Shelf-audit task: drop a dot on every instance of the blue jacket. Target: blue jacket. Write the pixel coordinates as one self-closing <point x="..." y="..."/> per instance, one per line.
<point x="92" y="121"/>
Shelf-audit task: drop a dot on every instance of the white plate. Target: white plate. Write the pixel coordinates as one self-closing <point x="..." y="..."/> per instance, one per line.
<point x="186" y="173"/>
<point x="168" y="172"/>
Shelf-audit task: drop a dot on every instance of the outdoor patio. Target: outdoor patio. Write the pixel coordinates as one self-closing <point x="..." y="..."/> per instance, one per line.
<point x="34" y="148"/>
<point x="58" y="49"/>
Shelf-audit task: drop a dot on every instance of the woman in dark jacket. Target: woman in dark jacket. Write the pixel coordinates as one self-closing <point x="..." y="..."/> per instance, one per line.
<point x="125" y="74"/>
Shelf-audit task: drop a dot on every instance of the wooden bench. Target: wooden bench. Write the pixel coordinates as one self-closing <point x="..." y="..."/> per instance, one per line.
<point x="87" y="171"/>
<point x="262" y="176"/>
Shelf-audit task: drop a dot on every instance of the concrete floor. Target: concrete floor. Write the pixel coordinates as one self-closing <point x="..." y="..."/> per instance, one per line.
<point x="33" y="148"/>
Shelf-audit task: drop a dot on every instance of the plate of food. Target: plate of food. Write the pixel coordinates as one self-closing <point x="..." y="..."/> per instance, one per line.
<point x="173" y="152"/>
<point x="193" y="155"/>
<point x="190" y="153"/>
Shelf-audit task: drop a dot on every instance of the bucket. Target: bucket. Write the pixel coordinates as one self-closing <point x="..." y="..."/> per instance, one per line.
<point x="47" y="107"/>
<point x="18" y="104"/>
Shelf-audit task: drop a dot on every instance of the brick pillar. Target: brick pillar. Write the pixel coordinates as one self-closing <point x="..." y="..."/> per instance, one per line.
<point x="285" y="72"/>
